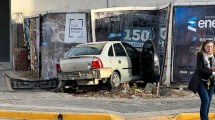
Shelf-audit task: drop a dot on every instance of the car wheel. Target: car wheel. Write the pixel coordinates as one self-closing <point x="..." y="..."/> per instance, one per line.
<point x="114" y="80"/>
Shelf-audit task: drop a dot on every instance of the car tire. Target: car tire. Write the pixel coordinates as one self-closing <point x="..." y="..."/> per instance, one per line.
<point x="114" y="80"/>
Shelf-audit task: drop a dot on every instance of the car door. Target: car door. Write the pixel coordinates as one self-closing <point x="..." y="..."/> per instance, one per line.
<point x="134" y="56"/>
<point x="149" y="62"/>
<point x="121" y="62"/>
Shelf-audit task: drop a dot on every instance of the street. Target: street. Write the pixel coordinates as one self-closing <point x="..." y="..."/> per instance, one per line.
<point x="137" y="108"/>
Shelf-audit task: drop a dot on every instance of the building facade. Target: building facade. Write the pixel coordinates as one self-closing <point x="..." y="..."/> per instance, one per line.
<point x="35" y="7"/>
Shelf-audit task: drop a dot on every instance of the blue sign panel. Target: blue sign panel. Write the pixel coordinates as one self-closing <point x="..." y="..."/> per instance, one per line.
<point x="192" y="25"/>
<point x="134" y="27"/>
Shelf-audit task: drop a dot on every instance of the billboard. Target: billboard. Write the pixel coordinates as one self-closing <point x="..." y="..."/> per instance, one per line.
<point x="131" y="26"/>
<point x="192" y="25"/>
<point x="134" y="26"/>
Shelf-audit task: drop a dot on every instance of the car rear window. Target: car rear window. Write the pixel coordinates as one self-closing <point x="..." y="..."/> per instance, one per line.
<point x="86" y="49"/>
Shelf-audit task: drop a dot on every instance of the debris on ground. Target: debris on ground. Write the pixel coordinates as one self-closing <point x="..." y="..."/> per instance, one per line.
<point x="134" y="92"/>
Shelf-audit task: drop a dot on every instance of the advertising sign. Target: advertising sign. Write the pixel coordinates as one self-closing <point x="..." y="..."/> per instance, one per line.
<point x="132" y="26"/>
<point x="75" y="29"/>
<point x="192" y="25"/>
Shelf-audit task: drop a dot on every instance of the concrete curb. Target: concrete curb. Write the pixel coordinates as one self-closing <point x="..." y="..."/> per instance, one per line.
<point x="182" y="116"/>
<point x="192" y="116"/>
<point x="9" y="114"/>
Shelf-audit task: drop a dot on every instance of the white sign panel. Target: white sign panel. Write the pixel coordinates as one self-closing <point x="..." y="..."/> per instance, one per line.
<point x="75" y="29"/>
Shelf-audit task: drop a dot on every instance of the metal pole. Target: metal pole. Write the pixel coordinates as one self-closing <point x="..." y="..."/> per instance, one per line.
<point x="40" y="43"/>
<point x="107" y="1"/>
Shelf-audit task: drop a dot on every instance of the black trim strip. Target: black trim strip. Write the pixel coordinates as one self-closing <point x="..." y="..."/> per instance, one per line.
<point x="126" y="68"/>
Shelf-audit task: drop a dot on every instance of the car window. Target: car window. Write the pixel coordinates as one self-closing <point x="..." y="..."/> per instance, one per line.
<point x="110" y="51"/>
<point x="86" y="49"/>
<point x="119" y="50"/>
<point x="132" y="52"/>
<point x="148" y="46"/>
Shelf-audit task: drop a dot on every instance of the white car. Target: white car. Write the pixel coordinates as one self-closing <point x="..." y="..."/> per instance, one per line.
<point x="110" y="62"/>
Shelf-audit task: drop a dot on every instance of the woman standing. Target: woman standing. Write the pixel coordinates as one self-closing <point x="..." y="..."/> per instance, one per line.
<point x="203" y="78"/>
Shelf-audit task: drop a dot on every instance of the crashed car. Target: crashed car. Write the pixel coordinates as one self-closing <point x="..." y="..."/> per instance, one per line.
<point x="109" y="62"/>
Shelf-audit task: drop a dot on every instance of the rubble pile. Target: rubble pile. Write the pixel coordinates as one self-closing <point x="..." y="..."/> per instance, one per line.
<point x="134" y="92"/>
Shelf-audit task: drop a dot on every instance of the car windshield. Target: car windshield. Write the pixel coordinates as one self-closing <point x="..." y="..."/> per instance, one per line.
<point x="86" y="49"/>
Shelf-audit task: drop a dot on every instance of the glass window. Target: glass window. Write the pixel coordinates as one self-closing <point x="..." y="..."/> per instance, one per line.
<point x="132" y="52"/>
<point x="119" y="51"/>
<point x="148" y="46"/>
<point x="110" y="52"/>
<point x="86" y="49"/>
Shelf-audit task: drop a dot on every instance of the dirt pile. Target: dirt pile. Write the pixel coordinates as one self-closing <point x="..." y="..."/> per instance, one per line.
<point x="133" y="92"/>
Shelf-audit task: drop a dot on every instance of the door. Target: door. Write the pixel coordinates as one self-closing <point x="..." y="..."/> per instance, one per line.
<point x="148" y="62"/>
<point x="134" y="57"/>
<point x="5" y="31"/>
<point x="121" y="62"/>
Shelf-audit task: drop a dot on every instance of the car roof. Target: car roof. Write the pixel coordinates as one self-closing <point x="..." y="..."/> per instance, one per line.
<point x="101" y="42"/>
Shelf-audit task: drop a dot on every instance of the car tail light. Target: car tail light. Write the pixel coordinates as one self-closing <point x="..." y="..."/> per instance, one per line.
<point x="96" y="63"/>
<point x="58" y="68"/>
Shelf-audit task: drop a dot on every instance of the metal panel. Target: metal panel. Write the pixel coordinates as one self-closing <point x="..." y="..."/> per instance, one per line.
<point x="34" y="44"/>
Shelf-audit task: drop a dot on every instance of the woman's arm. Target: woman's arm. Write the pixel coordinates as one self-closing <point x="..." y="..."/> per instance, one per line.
<point x="200" y="66"/>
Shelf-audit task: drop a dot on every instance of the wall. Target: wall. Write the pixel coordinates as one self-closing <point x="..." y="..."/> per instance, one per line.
<point x="19" y="52"/>
<point x="35" y="7"/>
